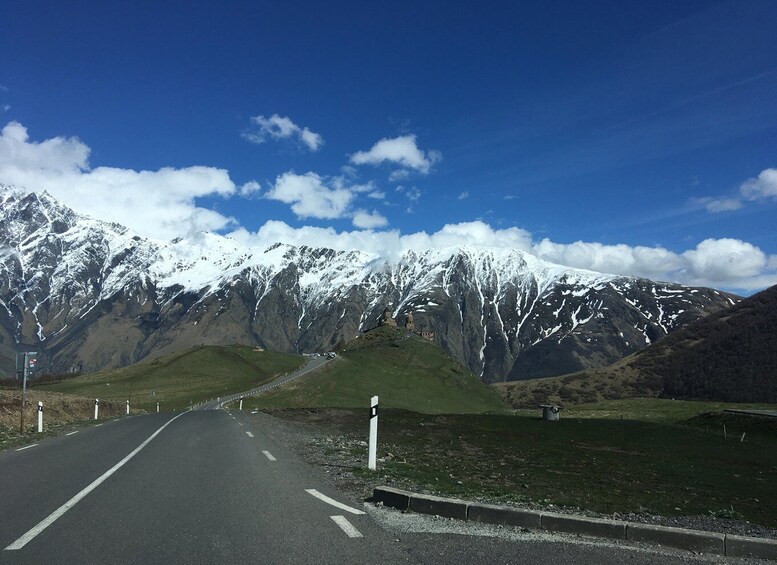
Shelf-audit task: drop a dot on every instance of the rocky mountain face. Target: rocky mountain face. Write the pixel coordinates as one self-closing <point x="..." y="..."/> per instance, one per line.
<point x="90" y="295"/>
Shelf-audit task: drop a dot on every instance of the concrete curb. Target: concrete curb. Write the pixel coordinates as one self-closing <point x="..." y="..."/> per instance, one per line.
<point x="692" y="540"/>
<point x="681" y="538"/>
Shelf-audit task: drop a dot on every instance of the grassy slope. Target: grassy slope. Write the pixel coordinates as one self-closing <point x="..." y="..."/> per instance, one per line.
<point x="405" y="372"/>
<point x="661" y="458"/>
<point x="177" y="379"/>
<point x="593" y="385"/>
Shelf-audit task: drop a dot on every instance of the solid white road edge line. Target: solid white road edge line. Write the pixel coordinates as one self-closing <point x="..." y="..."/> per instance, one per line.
<point x="98" y="425"/>
<point x="332" y="501"/>
<point x="71" y="433"/>
<point x="269" y="455"/>
<point x="26" y="447"/>
<point x="250" y="434"/>
<point x="347" y="527"/>
<point x="29" y="536"/>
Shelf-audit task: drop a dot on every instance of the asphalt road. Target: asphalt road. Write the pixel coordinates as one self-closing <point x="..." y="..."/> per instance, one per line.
<point x="214" y="487"/>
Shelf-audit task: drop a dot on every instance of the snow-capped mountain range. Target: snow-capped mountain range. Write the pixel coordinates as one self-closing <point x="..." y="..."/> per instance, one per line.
<point x="91" y="295"/>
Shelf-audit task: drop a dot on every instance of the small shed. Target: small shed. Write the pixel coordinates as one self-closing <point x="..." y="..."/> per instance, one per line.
<point x="550" y="412"/>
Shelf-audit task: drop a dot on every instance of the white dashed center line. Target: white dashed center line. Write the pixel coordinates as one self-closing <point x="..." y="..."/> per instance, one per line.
<point x="26" y="447"/>
<point x="250" y="434"/>
<point x="71" y="433"/>
<point x="269" y="455"/>
<point x="332" y="501"/>
<point x="347" y="527"/>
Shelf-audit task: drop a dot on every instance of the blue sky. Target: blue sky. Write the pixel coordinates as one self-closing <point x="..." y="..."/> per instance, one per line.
<point x="633" y="137"/>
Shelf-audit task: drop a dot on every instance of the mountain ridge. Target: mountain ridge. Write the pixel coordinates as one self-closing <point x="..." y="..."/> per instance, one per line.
<point x="94" y="294"/>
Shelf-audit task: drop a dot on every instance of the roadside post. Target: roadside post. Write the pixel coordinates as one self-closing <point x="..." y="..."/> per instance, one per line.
<point x="40" y="416"/>
<point x="25" y="364"/>
<point x="157" y="406"/>
<point x="96" y="407"/>
<point x="373" y="433"/>
<point x="128" y="407"/>
<point x="241" y="403"/>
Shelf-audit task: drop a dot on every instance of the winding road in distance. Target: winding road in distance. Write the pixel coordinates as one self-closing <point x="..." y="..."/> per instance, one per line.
<point x="210" y="486"/>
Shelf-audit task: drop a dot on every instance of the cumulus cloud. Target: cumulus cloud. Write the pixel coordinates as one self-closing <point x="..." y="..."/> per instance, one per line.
<point x="402" y="151"/>
<point x="762" y="187"/>
<point x="162" y="204"/>
<point x="462" y="195"/>
<point x="721" y="263"/>
<point x="159" y="204"/>
<point x="251" y="188"/>
<point x="281" y="127"/>
<point x="366" y="220"/>
<point x="310" y="197"/>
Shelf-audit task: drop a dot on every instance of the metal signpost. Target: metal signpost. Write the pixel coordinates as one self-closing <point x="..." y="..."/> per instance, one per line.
<point x="25" y="365"/>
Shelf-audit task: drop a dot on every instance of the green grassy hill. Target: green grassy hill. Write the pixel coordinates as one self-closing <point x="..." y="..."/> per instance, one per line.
<point x="177" y="379"/>
<point x="404" y="370"/>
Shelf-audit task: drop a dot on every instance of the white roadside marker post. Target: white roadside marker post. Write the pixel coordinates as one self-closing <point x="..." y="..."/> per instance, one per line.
<point x="373" y="433"/>
<point x="40" y="416"/>
<point x="241" y="403"/>
<point x="157" y="406"/>
<point x="128" y="407"/>
<point x="96" y="407"/>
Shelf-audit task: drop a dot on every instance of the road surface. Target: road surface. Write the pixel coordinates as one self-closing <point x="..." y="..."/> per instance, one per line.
<point x="215" y="487"/>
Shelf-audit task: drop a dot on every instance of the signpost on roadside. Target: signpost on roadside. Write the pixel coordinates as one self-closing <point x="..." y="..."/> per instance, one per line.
<point x="373" y="447"/>
<point x="25" y="365"/>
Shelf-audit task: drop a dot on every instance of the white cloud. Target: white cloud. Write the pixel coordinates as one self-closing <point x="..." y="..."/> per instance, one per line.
<point x="314" y="141"/>
<point x="724" y="259"/>
<point x="721" y="263"/>
<point x="399" y="174"/>
<point x="401" y="150"/>
<point x="377" y="195"/>
<point x="251" y="188"/>
<point x="365" y="220"/>
<point x="764" y="186"/>
<point x="413" y="193"/>
<point x="722" y="204"/>
<point x="462" y="195"/>
<point x="282" y="127"/>
<point x="162" y="204"/>
<point x="309" y="196"/>
<point x="159" y="204"/>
